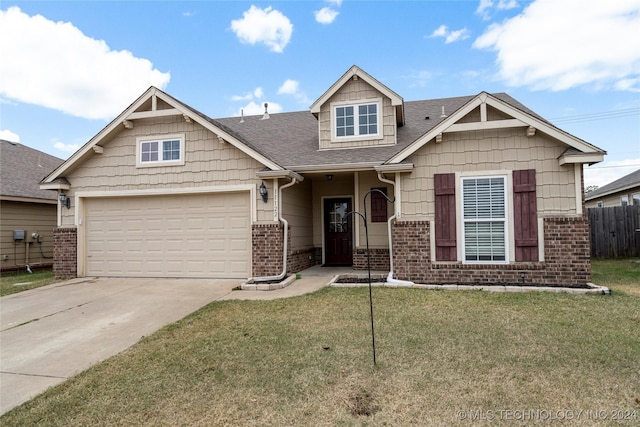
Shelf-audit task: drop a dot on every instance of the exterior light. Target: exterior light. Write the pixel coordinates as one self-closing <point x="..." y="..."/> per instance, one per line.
<point x="64" y="200"/>
<point x="263" y="192"/>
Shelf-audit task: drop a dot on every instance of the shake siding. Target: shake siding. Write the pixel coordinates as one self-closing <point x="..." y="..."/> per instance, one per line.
<point x="378" y="232"/>
<point x="357" y="92"/>
<point x="506" y="149"/>
<point x="207" y="163"/>
<point x="295" y="208"/>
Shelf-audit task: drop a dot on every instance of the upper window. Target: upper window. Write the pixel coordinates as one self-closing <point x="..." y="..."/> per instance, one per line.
<point x="165" y="151"/>
<point x="636" y="199"/>
<point x="485" y="219"/>
<point x="624" y="200"/>
<point x="357" y="120"/>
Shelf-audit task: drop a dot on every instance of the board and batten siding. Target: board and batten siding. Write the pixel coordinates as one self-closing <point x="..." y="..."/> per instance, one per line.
<point x="207" y="163"/>
<point x="357" y="91"/>
<point x="480" y="151"/>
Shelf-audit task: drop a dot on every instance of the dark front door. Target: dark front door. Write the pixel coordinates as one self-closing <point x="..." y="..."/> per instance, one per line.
<point x="338" y="234"/>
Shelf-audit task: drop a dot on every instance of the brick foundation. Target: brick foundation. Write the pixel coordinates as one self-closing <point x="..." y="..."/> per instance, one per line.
<point x="299" y="260"/>
<point x="379" y="259"/>
<point x="65" y="253"/>
<point x="567" y="258"/>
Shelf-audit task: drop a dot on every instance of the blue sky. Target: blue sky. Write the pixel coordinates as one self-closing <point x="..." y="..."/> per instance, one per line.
<point x="68" y="68"/>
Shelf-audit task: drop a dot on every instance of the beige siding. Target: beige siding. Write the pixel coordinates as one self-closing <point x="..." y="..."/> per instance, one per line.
<point x="207" y="163"/>
<point x="296" y="202"/>
<point x="33" y="218"/>
<point x="496" y="150"/>
<point x="378" y="231"/>
<point x="357" y="92"/>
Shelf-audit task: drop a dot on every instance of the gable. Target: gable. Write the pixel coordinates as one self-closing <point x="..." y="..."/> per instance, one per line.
<point x="487" y="112"/>
<point x="153" y="105"/>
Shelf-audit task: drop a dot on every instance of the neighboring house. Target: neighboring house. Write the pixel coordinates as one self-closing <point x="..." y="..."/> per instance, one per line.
<point x="485" y="191"/>
<point x="25" y="209"/>
<point x="621" y="192"/>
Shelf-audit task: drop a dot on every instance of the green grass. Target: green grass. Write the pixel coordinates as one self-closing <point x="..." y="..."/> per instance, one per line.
<point x="11" y="282"/>
<point x="308" y="361"/>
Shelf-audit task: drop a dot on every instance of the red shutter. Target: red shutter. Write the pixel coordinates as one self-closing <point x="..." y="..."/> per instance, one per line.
<point x="525" y="215"/>
<point x="378" y="205"/>
<point x="445" y="221"/>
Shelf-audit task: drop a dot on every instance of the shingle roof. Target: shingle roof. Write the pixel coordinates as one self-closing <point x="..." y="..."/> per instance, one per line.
<point x="631" y="180"/>
<point x="21" y="170"/>
<point x="291" y="139"/>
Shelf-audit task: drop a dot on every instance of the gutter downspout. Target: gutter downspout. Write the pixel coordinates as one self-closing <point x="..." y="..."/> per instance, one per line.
<point x="286" y="236"/>
<point x="392" y="218"/>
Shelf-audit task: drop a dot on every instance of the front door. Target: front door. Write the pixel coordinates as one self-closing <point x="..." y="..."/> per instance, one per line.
<point x="338" y="236"/>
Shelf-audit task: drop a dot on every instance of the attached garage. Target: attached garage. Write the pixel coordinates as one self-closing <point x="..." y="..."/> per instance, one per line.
<point x="178" y="235"/>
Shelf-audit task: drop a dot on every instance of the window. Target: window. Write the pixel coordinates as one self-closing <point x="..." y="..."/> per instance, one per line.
<point x="624" y="200"/>
<point x="165" y="151"/>
<point x="356" y="120"/>
<point x="484" y="219"/>
<point x="636" y="199"/>
<point x="378" y="205"/>
<point x="600" y="204"/>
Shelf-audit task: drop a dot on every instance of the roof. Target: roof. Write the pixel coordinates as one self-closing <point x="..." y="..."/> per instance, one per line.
<point x="290" y="141"/>
<point x="21" y="170"/>
<point x="624" y="183"/>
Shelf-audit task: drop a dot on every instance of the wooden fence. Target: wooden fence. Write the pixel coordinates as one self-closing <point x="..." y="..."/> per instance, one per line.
<point x="615" y="231"/>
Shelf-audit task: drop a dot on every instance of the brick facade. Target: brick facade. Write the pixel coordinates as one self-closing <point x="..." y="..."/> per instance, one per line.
<point x="65" y="253"/>
<point x="267" y="240"/>
<point x="301" y="260"/>
<point x="379" y="259"/>
<point x="567" y="258"/>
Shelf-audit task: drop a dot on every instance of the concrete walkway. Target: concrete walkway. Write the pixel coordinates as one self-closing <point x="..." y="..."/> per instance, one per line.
<point x="51" y="333"/>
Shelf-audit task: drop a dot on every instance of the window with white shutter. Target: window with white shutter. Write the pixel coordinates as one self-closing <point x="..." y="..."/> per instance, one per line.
<point x="484" y="206"/>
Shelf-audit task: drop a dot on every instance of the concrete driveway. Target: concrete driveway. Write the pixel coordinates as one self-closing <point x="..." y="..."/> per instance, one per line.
<point x="52" y="333"/>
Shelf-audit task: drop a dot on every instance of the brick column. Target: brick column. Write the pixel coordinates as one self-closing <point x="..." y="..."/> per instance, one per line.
<point x="65" y="253"/>
<point x="267" y="246"/>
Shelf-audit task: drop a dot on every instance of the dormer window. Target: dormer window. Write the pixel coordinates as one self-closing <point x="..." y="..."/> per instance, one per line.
<point x="360" y="121"/>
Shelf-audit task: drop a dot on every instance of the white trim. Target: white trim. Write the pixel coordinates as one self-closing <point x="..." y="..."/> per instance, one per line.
<point x="28" y="200"/>
<point x="589" y="158"/>
<point x="508" y="220"/>
<point x="486" y="125"/>
<point x="160" y="139"/>
<point x="356" y="208"/>
<point x="432" y="240"/>
<point x="540" y="239"/>
<point x="356" y="120"/>
<point x="398" y="195"/>
<point x="55" y="186"/>
<point x="153" y="114"/>
<point x="276" y="200"/>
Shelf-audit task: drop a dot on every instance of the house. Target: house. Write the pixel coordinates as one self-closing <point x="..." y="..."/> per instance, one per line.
<point x="27" y="213"/>
<point x="621" y="192"/>
<point x="483" y="190"/>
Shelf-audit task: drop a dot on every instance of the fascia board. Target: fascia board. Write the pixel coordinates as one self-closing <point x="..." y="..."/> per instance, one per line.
<point x="356" y="71"/>
<point x="589" y="158"/>
<point x="280" y="174"/>
<point x="99" y="137"/>
<point x="343" y="167"/>
<point x="613" y="191"/>
<point x="440" y="128"/>
<point x="552" y="131"/>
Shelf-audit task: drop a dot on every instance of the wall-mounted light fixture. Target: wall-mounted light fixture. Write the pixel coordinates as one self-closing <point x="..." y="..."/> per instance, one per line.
<point x="64" y="200"/>
<point x="263" y="192"/>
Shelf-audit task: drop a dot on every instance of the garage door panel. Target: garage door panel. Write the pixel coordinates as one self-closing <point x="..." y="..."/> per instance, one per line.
<point x="203" y="235"/>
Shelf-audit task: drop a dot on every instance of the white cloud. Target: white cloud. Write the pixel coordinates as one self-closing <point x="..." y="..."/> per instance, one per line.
<point x="543" y="49"/>
<point x="7" y="135"/>
<point x="292" y="87"/>
<point x="450" y="36"/>
<point x="67" y="148"/>
<point x="253" y="108"/>
<point x="604" y="173"/>
<point x="326" y="15"/>
<point x="337" y="3"/>
<point x="266" y="26"/>
<point x="258" y="92"/>
<point x="54" y="65"/>
<point x="485" y="5"/>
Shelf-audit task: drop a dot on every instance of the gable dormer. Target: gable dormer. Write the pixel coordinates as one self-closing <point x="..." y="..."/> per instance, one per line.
<point x="358" y="111"/>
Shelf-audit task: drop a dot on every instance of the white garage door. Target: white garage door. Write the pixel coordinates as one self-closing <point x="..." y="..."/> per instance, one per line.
<point x="201" y="235"/>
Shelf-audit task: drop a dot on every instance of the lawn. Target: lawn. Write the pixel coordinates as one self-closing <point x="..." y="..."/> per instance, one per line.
<point x="508" y="358"/>
<point x="12" y="282"/>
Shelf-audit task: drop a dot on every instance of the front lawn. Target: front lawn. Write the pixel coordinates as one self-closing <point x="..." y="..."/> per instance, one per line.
<point x="443" y="357"/>
<point x="12" y="282"/>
